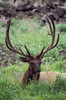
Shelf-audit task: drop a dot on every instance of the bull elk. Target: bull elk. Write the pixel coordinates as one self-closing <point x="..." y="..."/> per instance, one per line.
<point x="34" y="69"/>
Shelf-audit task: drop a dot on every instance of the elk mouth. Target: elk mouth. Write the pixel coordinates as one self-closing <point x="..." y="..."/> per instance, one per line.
<point x="37" y="71"/>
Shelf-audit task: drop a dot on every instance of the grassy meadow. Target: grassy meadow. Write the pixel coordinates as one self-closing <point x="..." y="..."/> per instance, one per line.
<point x="31" y="33"/>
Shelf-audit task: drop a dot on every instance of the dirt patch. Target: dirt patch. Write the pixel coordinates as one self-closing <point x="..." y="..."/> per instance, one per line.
<point x="31" y="9"/>
<point x="6" y="57"/>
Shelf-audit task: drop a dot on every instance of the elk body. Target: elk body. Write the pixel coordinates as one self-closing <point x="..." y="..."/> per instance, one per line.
<point x="34" y="69"/>
<point x="50" y="76"/>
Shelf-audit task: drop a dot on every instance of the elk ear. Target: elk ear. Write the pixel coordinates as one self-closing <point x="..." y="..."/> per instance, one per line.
<point x="24" y="59"/>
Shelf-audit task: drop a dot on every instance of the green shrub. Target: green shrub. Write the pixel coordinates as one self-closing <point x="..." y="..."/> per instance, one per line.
<point x="58" y="66"/>
<point x="61" y="27"/>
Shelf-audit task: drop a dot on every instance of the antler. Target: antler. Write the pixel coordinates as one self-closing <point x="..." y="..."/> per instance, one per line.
<point x="28" y="55"/>
<point x="52" y="33"/>
<point x="10" y="46"/>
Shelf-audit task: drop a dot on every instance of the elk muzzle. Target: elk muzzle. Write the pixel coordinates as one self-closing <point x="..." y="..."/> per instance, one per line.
<point x="37" y="67"/>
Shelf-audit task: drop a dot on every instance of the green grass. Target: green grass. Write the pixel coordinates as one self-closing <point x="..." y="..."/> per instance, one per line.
<point x="62" y="27"/>
<point x="28" y="32"/>
<point x="11" y="89"/>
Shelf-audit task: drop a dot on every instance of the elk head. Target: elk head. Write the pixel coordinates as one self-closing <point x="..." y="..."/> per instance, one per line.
<point x="34" y="61"/>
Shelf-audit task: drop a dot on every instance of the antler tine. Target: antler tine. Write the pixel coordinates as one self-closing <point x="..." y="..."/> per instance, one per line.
<point x="27" y="51"/>
<point x="52" y="31"/>
<point x="28" y="55"/>
<point x="56" y="42"/>
<point x="22" y="52"/>
<point x="8" y="42"/>
<point x="49" y="26"/>
<point x="41" y="52"/>
<point x="52" y="24"/>
<point x="7" y="31"/>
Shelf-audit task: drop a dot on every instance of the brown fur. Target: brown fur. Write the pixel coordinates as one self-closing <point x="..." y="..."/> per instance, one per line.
<point x="50" y="76"/>
<point x="30" y="74"/>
